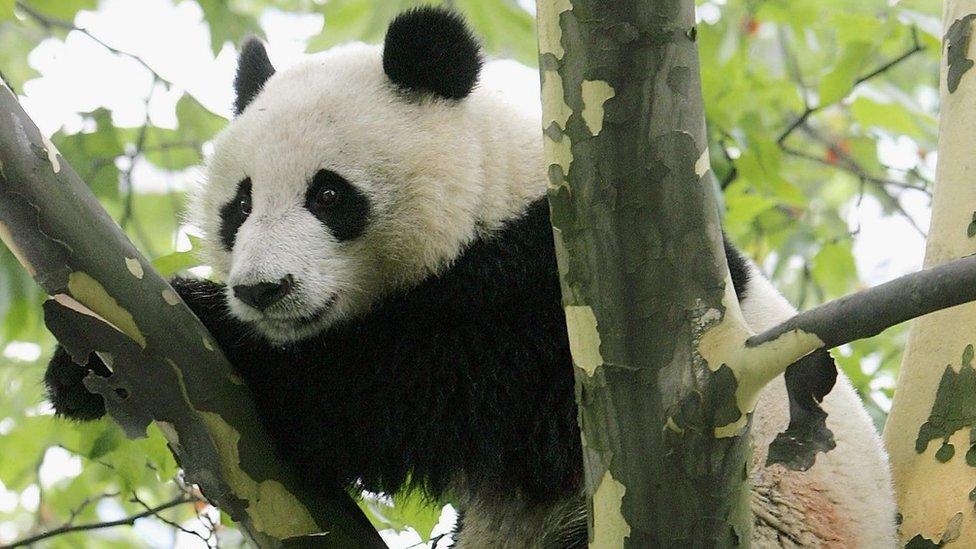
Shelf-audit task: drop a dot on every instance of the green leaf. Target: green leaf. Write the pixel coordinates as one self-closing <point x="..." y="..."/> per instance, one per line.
<point x="175" y="262"/>
<point x="181" y="148"/>
<point x="416" y="511"/>
<point x="864" y="151"/>
<point x="761" y="167"/>
<point x="109" y="439"/>
<point x="226" y="24"/>
<point x="743" y="207"/>
<point x="22" y="448"/>
<point x="839" y="81"/>
<point x="169" y="150"/>
<point x="504" y="27"/>
<point x="62" y="9"/>
<point x="409" y="509"/>
<point x="6" y="10"/>
<point x="196" y="123"/>
<point x="347" y="20"/>
<point x="834" y="268"/>
<point x="890" y="116"/>
<point x="93" y="154"/>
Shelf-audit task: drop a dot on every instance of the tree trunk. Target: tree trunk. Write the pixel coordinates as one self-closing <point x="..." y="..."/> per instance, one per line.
<point x="931" y="431"/>
<point x="667" y="370"/>
<point x="166" y="368"/>
<point x="643" y="272"/>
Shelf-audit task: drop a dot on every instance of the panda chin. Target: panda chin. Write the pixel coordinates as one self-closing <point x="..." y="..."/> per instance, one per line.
<point x="283" y="330"/>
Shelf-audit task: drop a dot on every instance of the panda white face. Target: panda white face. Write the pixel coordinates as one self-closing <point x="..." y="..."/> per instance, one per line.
<point x="357" y="173"/>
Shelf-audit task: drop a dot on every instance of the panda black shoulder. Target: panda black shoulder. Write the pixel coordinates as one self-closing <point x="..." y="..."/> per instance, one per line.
<point x="738" y="268"/>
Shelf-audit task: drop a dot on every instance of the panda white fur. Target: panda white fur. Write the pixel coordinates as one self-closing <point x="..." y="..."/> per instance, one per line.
<point x="390" y="295"/>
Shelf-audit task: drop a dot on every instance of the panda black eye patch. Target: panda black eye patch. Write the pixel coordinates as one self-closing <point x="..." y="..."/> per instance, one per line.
<point x="234" y="213"/>
<point x="340" y="206"/>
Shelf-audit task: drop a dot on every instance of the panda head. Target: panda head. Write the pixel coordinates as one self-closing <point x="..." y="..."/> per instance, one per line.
<point x="358" y="172"/>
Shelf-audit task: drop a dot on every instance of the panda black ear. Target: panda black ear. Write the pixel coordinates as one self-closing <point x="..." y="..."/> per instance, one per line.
<point x="253" y="70"/>
<point x="429" y="49"/>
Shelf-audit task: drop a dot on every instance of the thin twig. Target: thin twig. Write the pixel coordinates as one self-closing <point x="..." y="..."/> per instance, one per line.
<point x="127" y="521"/>
<point x="809" y="111"/>
<point x="879" y="183"/>
<point x="916" y="47"/>
<point x="171" y="523"/>
<point x="53" y="22"/>
<point x="84" y="505"/>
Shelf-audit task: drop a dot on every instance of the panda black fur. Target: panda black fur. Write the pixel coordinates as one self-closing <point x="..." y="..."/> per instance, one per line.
<point x="390" y="295"/>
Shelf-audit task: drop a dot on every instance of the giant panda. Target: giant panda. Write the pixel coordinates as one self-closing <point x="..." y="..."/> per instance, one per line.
<point x="386" y="284"/>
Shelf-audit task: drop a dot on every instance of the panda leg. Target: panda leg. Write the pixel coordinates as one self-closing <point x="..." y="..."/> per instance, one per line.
<point x="66" y="389"/>
<point x="64" y="377"/>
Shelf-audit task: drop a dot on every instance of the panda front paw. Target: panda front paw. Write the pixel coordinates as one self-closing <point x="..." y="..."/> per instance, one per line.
<point x="66" y="389"/>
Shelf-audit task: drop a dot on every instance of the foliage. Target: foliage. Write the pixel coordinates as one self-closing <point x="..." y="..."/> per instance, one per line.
<point x="805" y="101"/>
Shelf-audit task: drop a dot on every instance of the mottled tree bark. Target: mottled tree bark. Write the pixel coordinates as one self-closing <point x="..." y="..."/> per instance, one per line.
<point x="166" y="368"/>
<point x="931" y="431"/>
<point x="644" y="277"/>
<point x="667" y="370"/>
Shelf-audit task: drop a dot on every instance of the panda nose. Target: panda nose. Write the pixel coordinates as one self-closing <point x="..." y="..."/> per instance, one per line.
<point x="264" y="294"/>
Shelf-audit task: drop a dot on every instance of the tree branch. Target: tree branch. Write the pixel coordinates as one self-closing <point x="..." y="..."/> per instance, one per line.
<point x="869" y="312"/>
<point x="165" y="366"/>
<point x="809" y="111"/>
<point x="847" y="163"/>
<point x="127" y="521"/>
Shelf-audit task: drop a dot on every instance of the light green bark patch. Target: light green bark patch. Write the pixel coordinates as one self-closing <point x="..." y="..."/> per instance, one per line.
<point x="134" y="267"/>
<point x="610" y="528"/>
<point x="170" y="297"/>
<point x="181" y="379"/>
<point x="723" y="345"/>
<point x="584" y="339"/>
<point x="703" y="164"/>
<point x="271" y="507"/>
<point x="90" y="293"/>
<point x="556" y="109"/>
<point x="551" y="35"/>
<point x="8" y="239"/>
<point x="52" y="154"/>
<point x="674" y="426"/>
<point x="595" y="94"/>
<point x="561" y="151"/>
<point x="169" y="432"/>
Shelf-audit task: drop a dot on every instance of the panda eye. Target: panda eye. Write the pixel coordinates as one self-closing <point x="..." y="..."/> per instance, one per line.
<point x="339" y="205"/>
<point x="234" y="213"/>
<point x="326" y="197"/>
<point x="245" y="205"/>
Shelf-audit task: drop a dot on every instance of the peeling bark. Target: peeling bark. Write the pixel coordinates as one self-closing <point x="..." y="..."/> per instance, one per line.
<point x="165" y="368"/>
